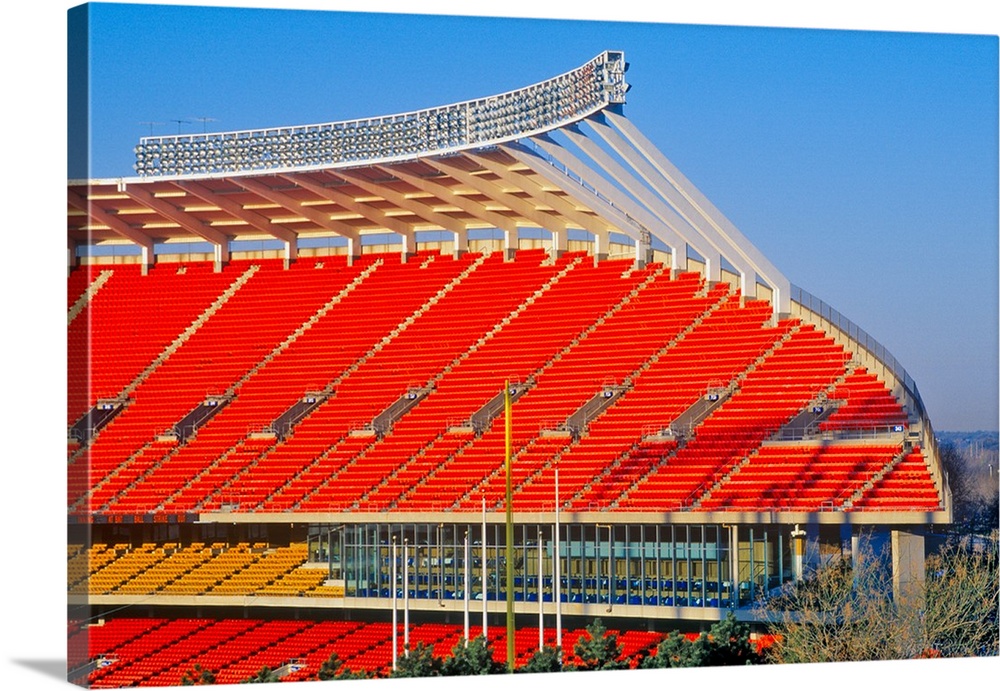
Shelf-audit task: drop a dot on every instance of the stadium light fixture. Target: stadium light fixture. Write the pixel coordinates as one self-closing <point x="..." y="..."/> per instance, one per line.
<point x="531" y="110"/>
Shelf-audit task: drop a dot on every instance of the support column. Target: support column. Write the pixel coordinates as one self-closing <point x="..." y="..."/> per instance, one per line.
<point x="734" y="566"/>
<point x="510" y="242"/>
<point x="601" y="242"/>
<point x="461" y="243"/>
<point x="643" y="249"/>
<point x="221" y="252"/>
<point x="406" y="252"/>
<point x="713" y="268"/>
<point x="798" y="553"/>
<point x="146" y="259"/>
<point x="353" y="250"/>
<point x="907" y="566"/>
<point x="291" y="253"/>
<point x="559" y="243"/>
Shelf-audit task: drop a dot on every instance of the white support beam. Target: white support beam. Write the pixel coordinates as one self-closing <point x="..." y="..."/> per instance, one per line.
<point x="705" y="238"/>
<point x="522" y="207"/>
<point x="248" y="216"/>
<point x="288" y="202"/>
<point x="561" y="204"/>
<point x="749" y="260"/>
<point x="446" y="195"/>
<point x="683" y="232"/>
<point x="417" y="208"/>
<point x="185" y="220"/>
<point x="511" y="242"/>
<point x="371" y="213"/>
<point x="115" y="223"/>
<point x="320" y="219"/>
<point x="611" y="204"/>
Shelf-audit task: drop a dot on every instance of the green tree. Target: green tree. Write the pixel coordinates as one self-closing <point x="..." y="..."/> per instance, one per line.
<point x="265" y="676"/>
<point x="546" y="659"/>
<point x="198" y="676"/>
<point x="333" y="668"/>
<point x="419" y="662"/>
<point x="597" y="649"/>
<point x="726" y="643"/>
<point x="675" y="651"/>
<point x="476" y="658"/>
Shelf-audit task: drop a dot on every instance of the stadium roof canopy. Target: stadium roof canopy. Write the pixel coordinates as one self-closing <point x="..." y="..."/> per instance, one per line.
<point x="557" y="155"/>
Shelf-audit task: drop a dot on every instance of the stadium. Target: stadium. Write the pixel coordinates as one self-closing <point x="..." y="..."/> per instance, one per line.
<point x="409" y="376"/>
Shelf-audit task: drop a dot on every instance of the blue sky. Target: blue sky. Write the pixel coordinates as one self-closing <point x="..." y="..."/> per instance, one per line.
<point x="863" y="165"/>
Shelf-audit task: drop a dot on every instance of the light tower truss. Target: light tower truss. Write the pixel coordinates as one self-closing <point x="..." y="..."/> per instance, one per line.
<point x="558" y="155"/>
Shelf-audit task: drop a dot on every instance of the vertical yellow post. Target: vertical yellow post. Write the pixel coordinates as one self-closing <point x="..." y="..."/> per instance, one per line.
<point x="510" y="528"/>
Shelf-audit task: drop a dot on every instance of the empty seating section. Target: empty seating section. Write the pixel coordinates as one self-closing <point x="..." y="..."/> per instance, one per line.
<point x="768" y="397"/>
<point x="868" y="405"/>
<point x="301" y="642"/>
<point x="103" y="639"/>
<point x="322" y="639"/>
<point x="138" y="658"/>
<point x="174" y="563"/>
<point x="712" y="354"/>
<point x="387" y="378"/>
<point x="652" y="318"/>
<point x="80" y="279"/>
<point x="518" y="351"/>
<point x="252" y="323"/>
<point x="270" y="566"/>
<point x="125" y="567"/>
<point x="196" y="569"/>
<point x="167" y="665"/>
<point x="797" y="477"/>
<point x="368" y="333"/>
<point x="152" y="652"/>
<point x="129" y="322"/>
<point x="226" y="346"/>
<point x="110" y="476"/>
<point x="415" y="358"/>
<point x="210" y="573"/>
<point x="447" y="403"/>
<point x="396" y="290"/>
<point x="652" y="321"/>
<point x="908" y="486"/>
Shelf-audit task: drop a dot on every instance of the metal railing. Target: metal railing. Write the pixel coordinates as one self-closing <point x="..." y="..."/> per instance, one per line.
<point x="858" y="335"/>
<point x="871" y="432"/>
<point x="828" y="319"/>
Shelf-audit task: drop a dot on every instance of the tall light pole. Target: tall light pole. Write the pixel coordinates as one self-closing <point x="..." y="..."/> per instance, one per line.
<point x="510" y="528"/>
<point x="440" y="557"/>
<point x="483" y="566"/>
<point x="395" y="644"/>
<point x="541" y="599"/>
<point x="557" y="575"/>
<point x="465" y="589"/>
<point x="406" y="597"/>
